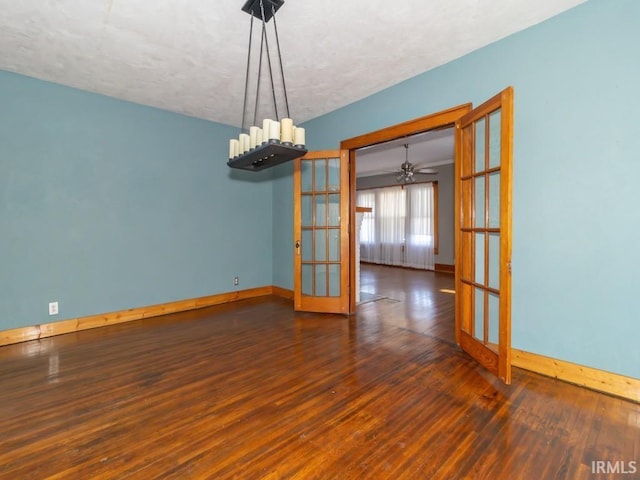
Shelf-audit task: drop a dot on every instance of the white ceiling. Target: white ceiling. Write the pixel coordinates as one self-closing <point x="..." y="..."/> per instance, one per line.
<point x="189" y="56"/>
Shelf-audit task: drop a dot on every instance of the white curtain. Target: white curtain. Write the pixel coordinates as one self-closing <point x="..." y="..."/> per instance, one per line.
<point x="390" y="225"/>
<point x="399" y="230"/>
<point x="419" y="241"/>
<point x="367" y="198"/>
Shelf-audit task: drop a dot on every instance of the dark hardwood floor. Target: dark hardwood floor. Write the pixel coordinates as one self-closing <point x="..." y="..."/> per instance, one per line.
<point x="254" y="390"/>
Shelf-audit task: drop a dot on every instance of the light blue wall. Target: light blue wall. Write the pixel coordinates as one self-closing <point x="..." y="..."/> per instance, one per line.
<point x="282" y="254"/>
<point x="576" y="197"/>
<point x="106" y="205"/>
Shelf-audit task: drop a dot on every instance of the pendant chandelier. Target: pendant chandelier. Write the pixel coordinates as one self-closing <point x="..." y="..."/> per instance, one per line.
<point x="273" y="141"/>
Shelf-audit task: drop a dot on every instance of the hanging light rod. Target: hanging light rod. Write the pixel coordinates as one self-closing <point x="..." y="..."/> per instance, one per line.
<point x="273" y="142"/>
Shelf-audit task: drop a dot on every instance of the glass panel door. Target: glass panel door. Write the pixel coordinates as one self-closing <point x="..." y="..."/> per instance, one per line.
<point x="321" y="232"/>
<point x="483" y="233"/>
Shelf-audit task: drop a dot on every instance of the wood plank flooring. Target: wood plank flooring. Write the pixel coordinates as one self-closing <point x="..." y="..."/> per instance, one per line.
<point x="253" y="390"/>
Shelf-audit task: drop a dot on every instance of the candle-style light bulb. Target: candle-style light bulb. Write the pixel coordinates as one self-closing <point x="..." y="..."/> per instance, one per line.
<point x="299" y="139"/>
<point x="233" y="148"/>
<point x="286" y="130"/>
<point x="266" y="129"/>
<point x="244" y="143"/>
<point x="253" y="137"/>
<point x="274" y="131"/>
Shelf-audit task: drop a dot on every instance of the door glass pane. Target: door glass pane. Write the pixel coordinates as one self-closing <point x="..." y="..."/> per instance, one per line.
<point x="334" y="245"/>
<point x="321" y="175"/>
<point x="306" y="246"/>
<point x="334" y="175"/>
<point x="495" y="119"/>
<point x="321" y="281"/>
<point x="307" y="279"/>
<point x="334" y="280"/>
<point x="480" y="144"/>
<point x="307" y="212"/>
<point x="494" y="260"/>
<point x="334" y="210"/>
<point x="494" y="318"/>
<point x="478" y="199"/>
<point x="479" y="277"/>
<point x="320" y="245"/>
<point x="478" y="314"/>
<point x="320" y="204"/>
<point x="306" y="175"/>
<point x="494" y="200"/>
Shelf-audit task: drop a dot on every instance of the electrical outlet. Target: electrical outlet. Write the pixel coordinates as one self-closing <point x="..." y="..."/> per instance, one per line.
<point x="53" y="308"/>
<point x="236" y="281"/>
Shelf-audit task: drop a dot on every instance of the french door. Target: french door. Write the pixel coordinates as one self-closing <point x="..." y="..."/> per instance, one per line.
<point x="321" y="232"/>
<point x="484" y="144"/>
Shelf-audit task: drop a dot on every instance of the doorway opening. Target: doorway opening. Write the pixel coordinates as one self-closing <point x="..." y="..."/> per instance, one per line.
<point x="374" y="145"/>
<point x="405" y="203"/>
<point x="483" y="157"/>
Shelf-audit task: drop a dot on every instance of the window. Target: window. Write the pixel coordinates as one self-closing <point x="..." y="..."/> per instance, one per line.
<point x="400" y="230"/>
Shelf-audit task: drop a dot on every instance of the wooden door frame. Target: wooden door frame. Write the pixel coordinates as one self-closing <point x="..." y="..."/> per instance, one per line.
<point x="442" y="119"/>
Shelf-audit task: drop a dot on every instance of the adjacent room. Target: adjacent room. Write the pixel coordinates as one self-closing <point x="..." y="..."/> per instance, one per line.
<point x="416" y="263"/>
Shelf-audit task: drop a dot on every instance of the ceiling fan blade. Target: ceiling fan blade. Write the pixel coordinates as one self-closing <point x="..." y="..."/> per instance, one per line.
<point x="379" y="172"/>
<point x="425" y="170"/>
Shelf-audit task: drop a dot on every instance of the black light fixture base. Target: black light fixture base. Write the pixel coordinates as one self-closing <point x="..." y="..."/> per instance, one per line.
<point x="266" y="156"/>
<point x="252" y="7"/>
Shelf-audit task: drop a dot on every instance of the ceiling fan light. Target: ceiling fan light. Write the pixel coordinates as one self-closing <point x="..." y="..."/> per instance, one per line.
<point x="406" y="169"/>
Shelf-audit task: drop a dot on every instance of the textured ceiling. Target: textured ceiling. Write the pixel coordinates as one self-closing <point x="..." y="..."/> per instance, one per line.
<point x="189" y="56"/>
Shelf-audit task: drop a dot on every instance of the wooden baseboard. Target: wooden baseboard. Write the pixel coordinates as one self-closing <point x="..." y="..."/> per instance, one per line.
<point x="283" y="292"/>
<point x="438" y="267"/>
<point x="444" y="268"/>
<point x="404" y="267"/>
<point x="44" y="330"/>
<point x="611" y="383"/>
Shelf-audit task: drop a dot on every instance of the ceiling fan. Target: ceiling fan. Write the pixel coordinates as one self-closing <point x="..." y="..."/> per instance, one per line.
<point x="408" y="170"/>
